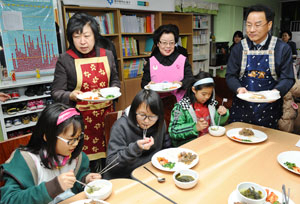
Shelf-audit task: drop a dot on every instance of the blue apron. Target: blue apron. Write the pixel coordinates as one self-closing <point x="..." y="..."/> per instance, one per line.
<point x="257" y="74"/>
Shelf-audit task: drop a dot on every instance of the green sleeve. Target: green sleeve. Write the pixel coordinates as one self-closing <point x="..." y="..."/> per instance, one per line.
<point x="82" y="172"/>
<point x="182" y="126"/>
<point x="223" y="119"/>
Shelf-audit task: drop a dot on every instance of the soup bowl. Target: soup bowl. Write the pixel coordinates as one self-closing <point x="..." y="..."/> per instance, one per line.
<point x="101" y="189"/>
<point x="216" y="130"/>
<point x="246" y="191"/>
<point x="185" y="178"/>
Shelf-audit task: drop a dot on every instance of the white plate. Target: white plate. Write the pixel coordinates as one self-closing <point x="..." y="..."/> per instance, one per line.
<point x="289" y="156"/>
<point x="258" y="136"/>
<point x="270" y="96"/>
<point x="171" y="154"/>
<point x="89" y="200"/>
<point x="233" y="197"/>
<point x="104" y="92"/>
<point x="163" y="87"/>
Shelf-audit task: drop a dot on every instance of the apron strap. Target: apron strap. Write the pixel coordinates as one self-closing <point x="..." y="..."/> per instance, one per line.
<point x="272" y="43"/>
<point x="72" y="54"/>
<point x="244" y="57"/>
<point x="102" y="52"/>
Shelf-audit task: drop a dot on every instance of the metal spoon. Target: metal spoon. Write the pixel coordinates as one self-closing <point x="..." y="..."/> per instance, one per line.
<point x="159" y="179"/>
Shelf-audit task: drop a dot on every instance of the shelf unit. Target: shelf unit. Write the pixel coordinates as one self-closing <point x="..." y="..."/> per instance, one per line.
<point x="201" y="40"/>
<point x="131" y="86"/>
<point x="20" y="85"/>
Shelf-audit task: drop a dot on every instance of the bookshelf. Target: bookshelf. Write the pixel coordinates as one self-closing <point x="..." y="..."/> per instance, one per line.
<point x="132" y="32"/>
<point x="201" y="40"/>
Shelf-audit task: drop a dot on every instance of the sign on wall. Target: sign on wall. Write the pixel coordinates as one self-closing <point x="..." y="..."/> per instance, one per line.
<point x="29" y="36"/>
<point x="152" y="5"/>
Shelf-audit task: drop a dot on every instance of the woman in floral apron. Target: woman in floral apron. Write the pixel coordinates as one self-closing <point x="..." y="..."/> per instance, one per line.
<point x="86" y="67"/>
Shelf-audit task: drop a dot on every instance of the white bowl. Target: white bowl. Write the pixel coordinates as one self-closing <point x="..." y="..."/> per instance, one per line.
<point x="216" y="130"/>
<point x="186" y="172"/>
<point x="101" y="194"/>
<point x="246" y="185"/>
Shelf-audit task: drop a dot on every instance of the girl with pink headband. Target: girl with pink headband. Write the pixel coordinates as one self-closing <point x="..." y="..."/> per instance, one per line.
<point x="192" y="115"/>
<point x="45" y="170"/>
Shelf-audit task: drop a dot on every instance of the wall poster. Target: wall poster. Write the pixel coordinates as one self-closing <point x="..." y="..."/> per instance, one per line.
<point x="29" y="36"/>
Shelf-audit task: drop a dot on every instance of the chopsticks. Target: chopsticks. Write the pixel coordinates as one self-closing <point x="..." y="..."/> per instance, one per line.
<point x="109" y="166"/>
<point x="224" y="100"/>
<point x="84" y="184"/>
<point x="284" y="196"/>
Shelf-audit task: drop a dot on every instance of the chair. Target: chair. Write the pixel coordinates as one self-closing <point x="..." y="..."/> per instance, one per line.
<point x="8" y="146"/>
<point x="109" y="120"/>
<point x="169" y="103"/>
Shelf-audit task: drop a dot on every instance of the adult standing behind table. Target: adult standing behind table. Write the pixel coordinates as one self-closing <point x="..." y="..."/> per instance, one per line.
<point x="86" y="67"/>
<point x="167" y="65"/>
<point x="286" y="36"/>
<point x="260" y="62"/>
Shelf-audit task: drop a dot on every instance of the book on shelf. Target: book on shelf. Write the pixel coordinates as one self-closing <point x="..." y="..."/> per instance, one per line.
<point x="148" y="45"/>
<point x="129" y="46"/>
<point x="106" y="23"/>
<point x="137" y="24"/>
<point x="183" y="41"/>
<point x="133" y="68"/>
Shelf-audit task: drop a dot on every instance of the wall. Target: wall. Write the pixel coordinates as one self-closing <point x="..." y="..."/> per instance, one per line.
<point x="230" y="16"/>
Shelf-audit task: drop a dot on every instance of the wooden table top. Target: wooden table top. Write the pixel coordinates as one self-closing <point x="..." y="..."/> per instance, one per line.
<point x="126" y="191"/>
<point x="224" y="163"/>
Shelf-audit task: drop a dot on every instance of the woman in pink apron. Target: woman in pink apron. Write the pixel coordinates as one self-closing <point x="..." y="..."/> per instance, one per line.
<point x="86" y="67"/>
<point x="166" y="63"/>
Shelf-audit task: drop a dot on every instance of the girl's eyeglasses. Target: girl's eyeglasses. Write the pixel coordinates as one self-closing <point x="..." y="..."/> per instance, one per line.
<point x="71" y="141"/>
<point x="143" y="117"/>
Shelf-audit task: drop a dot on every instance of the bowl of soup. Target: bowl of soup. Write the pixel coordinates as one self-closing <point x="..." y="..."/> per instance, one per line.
<point x="185" y="178"/>
<point x="98" y="189"/>
<point x="216" y="130"/>
<point x="251" y="193"/>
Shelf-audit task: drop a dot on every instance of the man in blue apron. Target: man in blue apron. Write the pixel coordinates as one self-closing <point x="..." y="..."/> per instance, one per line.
<point x="259" y="62"/>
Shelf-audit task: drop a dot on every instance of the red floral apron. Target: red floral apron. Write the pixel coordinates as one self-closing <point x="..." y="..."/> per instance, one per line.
<point x="93" y="73"/>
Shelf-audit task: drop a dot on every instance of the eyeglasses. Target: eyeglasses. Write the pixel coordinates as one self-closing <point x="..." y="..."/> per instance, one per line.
<point x="164" y="43"/>
<point x="256" y="26"/>
<point x="72" y="141"/>
<point x="143" y="117"/>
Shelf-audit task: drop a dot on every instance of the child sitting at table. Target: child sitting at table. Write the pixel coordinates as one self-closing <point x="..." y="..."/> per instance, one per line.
<point x="45" y="170"/>
<point x="192" y="115"/>
<point x="137" y="135"/>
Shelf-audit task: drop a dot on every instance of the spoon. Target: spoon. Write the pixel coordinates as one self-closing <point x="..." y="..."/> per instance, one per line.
<point x="159" y="179"/>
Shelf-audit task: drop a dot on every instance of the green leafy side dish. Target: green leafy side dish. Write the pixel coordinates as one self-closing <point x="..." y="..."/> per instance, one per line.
<point x="169" y="165"/>
<point x="109" y="96"/>
<point x="290" y="165"/>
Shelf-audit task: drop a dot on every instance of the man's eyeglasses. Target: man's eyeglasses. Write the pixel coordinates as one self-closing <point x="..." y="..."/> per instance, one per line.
<point x="72" y="141"/>
<point x="143" y="117"/>
<point x="256" y="26"/>
<point x="164" y="43"/>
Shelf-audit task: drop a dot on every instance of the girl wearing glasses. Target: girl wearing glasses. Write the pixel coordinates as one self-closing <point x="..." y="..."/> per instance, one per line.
<point x="191" y="117"/>
<point x="138" y="135"/>
<point x="167" y="64"/>
<point x="45" y="170"/>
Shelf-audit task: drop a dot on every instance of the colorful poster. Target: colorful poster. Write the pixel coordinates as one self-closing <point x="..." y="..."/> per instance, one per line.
<point x="29" y="36"/>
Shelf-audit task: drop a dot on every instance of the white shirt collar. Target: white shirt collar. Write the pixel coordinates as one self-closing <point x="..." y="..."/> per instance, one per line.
<point x="263" y="42"/>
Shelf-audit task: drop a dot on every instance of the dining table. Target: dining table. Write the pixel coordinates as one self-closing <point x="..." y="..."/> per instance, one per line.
<point x="224" y="163"/>
<point x="126" y="191"/>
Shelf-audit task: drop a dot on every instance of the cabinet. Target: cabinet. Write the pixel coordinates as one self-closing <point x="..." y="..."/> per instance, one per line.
<point x="132" y="32"/>
<point x="21" y="86"/>
<point x="201" y="39"/>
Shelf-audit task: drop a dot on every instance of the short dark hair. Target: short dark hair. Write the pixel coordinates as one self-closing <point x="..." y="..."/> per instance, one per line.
<point x="169" y="28"/>
<point x="288" y="32"/>
<point x="237" y="33"/>
<point x="190" y="94"/>
<point x="47" y="127"/>
<point x="153" y="101"/>
<point x="261" y="8"/>
<point x="76" y="24"/>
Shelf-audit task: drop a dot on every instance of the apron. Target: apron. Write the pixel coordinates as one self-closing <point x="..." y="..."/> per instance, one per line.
<point x="93" y="73"/>
<point x="257" y="74"/>
<point x="160" y="73"/>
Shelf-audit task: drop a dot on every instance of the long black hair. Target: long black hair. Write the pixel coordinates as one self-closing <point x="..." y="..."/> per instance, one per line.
<point x="190" y="94"/>
<point x="153" y="101"/>
<point x="44" y="136"/>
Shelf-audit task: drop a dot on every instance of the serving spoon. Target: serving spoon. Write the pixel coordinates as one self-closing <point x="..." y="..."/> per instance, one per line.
<point x="159" y="179"/>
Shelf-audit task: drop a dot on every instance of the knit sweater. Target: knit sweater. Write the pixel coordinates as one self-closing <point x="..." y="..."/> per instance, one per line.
<point x="123" y="143"/>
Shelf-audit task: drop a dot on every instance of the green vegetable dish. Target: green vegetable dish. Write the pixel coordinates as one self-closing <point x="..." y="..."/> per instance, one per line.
<point x="290" y="165"/>
<point x="91" y="189"/>
<point x="109" y="96"/>
<point x="252" y="193"/>
<point x="169" y="165"/>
